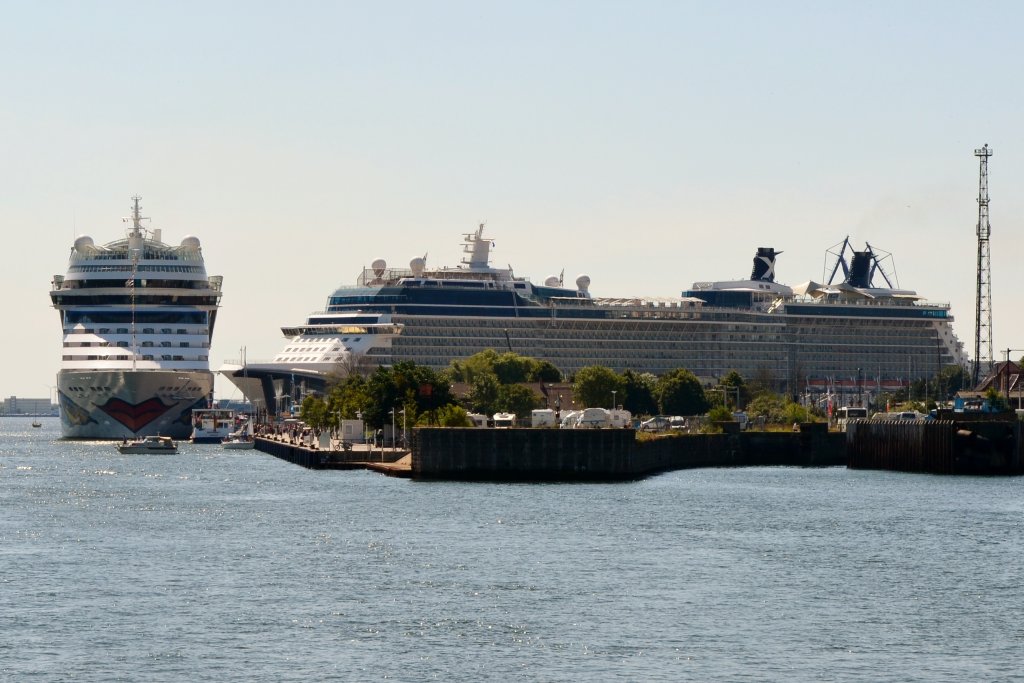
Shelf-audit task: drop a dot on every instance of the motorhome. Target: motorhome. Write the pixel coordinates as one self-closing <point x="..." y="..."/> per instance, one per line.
<point x="504" y="420"/>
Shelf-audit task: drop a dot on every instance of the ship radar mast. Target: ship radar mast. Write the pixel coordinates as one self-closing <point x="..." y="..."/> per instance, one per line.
<point x="478" y="247"/>
<point x="136" y="217"/>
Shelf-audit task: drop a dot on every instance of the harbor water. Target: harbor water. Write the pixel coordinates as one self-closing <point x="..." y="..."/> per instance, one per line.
<point x="215" y="565"/>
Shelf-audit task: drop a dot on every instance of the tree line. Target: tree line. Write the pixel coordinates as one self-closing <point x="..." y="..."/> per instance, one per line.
<point x="493" y="382"/>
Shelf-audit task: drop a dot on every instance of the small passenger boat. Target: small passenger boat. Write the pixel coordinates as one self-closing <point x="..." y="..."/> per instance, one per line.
<point x="149" y="444"/>
<point x="239" y="440"/>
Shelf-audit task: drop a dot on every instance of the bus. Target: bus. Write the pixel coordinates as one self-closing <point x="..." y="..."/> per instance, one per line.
<point x="844" y="415"/>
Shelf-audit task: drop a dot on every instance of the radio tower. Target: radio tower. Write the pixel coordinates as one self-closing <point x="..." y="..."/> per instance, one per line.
<point x="983" y="308"/>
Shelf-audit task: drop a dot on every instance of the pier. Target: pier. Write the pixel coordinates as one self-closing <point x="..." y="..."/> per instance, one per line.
<point x="963" y="445"/>
<point x="568" y="454"/>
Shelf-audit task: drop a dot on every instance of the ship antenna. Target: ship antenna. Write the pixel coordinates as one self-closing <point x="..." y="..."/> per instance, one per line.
<point x="137" y="217"/>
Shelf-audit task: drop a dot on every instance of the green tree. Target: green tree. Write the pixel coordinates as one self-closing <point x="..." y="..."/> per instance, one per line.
<point x="679" y="393"/>
<point x="949" y="381"/>
<point x="446" y="416"/>
<point x="404" y="384"/>
<point x="734" y="389"/>
<point x="769" y="406"/>
<point x="996" y="401"/>
<point x="483" y="397"/>
<point x="314" y="412"/>
<point x="594" y="386"/>
<point x="508" y="367"/>
<point x="639" y="393"/>
<point x="544" y="371"/>
<point x="518" y="399"/>
<point x="720" y="413"/>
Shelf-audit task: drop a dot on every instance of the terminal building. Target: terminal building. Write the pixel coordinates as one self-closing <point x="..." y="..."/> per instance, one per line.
<point x="27" y="406"/>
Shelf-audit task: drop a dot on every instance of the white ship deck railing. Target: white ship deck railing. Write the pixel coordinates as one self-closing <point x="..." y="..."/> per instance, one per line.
<point x="886" y="302"/>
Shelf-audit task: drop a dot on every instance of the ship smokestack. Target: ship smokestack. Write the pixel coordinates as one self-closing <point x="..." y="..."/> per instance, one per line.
<point x="860" y="269"/>
<point x="764" y="264"/>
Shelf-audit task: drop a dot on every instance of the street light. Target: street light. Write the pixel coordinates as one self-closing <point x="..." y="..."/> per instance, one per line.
<point x="392" y="429"/>
<point x="405" y="442"/>
<point x="613" y="399"/>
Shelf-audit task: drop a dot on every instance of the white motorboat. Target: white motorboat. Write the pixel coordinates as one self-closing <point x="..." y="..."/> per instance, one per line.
<point x="241" y="439"/>
<point x="149" y="444"/>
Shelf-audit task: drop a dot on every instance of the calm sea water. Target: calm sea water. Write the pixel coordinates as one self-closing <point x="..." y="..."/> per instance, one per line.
<point x="213" y="565"/>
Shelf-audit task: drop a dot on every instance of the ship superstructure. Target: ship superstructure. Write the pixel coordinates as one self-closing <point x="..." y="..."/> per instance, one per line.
<point x="137" y="317"/>
<point x="838" y="337"/>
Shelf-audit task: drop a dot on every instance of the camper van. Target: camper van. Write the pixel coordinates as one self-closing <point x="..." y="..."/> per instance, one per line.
<point x="478" y="420"/>
<point x="504" y="419"/>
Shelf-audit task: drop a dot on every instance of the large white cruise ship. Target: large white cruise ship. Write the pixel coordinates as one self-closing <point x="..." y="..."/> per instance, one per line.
<point x="843" y="337"/>
<point x="137" y="316"/>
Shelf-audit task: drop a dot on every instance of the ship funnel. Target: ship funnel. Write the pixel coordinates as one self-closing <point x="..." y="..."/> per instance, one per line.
<point x="764" y="264"/>
<point x="860" y="269"/>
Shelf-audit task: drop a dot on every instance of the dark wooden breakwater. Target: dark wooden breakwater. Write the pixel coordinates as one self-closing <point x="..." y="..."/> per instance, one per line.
<point x="571" y="454"/>
<point x="609" y="454"/>
<point x="948" y="446"/>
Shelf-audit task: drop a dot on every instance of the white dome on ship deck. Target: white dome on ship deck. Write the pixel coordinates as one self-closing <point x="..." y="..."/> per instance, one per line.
<point x="417" y="265"/>
<point x="378" y="266"/>
<point x="583" y="283"/>
<point x="83" y="242"/>
<point x="551" y="281"/>
<point x="190" y="242"/>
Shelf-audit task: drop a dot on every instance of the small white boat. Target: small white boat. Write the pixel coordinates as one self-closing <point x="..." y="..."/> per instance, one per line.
<point x="238" y="443"/>
<point x="37" y="423"/>
<point x="149" y="444"/>
<point x="211" y="425"/>
<point x="239" y="440"/>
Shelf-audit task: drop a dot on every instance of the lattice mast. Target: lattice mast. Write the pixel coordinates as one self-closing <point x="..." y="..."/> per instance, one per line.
<point x="983" y="357"/>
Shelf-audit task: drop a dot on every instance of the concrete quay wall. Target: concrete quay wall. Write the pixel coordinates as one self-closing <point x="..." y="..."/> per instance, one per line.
<point x="609" y="454"/>
<point x="985" y="447"/>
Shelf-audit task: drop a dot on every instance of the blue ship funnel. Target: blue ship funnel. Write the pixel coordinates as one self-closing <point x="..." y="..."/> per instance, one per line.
<point x="764" y="264"/>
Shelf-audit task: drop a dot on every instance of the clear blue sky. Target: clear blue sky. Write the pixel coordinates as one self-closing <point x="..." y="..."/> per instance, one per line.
<point x="647" y="144"/>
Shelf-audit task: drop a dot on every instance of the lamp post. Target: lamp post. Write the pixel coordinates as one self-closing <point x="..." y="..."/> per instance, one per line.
<point x="392" y="429"/>
<point x="405" y="442"/>
<point x="613" y="399"/>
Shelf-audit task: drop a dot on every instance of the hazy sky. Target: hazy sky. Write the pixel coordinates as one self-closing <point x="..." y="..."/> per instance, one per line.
<point x="646" y="144"/>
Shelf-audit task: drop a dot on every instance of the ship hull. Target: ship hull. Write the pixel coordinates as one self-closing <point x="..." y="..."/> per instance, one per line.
<point x="118" y="404"/>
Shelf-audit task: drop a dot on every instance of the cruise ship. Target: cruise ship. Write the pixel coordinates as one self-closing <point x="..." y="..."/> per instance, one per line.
<point x="137" y="316"/>
<point x="844" y="336"/>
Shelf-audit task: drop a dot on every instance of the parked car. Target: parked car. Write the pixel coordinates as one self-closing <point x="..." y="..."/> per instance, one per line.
<point x="655" y="424"/>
